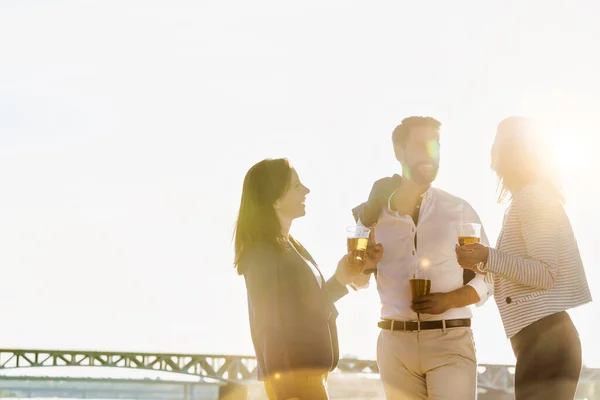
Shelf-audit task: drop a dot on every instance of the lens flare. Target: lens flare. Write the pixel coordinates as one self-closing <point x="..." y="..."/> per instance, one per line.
<point x="433" y="149"/>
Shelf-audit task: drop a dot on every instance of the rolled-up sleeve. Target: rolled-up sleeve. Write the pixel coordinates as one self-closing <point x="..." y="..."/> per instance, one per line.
<point x="484" y="289"/>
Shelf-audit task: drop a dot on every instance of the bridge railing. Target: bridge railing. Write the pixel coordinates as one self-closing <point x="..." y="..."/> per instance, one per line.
<point x="221" y="367"/>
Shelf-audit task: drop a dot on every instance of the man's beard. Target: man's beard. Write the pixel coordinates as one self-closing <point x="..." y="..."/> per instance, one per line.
<point x="422" y="175"/>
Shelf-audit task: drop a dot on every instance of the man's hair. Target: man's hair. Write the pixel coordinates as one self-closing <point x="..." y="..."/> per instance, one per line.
<point x="402" y="132"/>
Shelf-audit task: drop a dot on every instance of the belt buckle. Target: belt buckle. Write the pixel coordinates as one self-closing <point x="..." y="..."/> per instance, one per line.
<point x="392" y="325"/>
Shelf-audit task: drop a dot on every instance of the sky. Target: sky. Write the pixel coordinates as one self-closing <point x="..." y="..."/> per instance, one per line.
<point x="126" y="129"/>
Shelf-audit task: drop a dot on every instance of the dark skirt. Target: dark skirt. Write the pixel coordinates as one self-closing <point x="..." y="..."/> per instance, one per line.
<point x="548" y="356"/>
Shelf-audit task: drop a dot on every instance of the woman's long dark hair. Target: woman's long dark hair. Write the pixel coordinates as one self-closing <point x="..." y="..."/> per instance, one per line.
<point x="264" y="184"/>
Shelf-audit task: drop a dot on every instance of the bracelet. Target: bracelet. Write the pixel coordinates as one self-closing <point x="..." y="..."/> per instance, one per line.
<point x="482" y="267"/>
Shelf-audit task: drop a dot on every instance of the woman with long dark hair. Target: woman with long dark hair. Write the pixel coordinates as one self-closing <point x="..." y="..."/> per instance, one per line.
<point x="536" y="267"/>
<point x="291" y="305"/>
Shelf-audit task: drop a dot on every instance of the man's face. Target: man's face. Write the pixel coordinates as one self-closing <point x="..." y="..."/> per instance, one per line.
<point x="420" y="157"/>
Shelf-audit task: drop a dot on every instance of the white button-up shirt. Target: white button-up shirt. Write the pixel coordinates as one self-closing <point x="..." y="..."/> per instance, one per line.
<point x="437" y="234"/>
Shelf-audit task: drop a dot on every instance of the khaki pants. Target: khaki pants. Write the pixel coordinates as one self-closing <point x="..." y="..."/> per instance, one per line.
<point x="306" y="387"/>
<point x="429" y="364"/>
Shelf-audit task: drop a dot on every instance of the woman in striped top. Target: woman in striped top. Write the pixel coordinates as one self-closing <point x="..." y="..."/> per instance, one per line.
<point x="536" y="267"/>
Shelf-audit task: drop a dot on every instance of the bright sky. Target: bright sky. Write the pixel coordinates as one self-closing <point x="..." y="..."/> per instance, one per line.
<point x="126" y="128"/>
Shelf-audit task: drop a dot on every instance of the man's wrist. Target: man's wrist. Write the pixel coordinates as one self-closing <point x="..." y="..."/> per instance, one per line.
<point x="462" y="297"/>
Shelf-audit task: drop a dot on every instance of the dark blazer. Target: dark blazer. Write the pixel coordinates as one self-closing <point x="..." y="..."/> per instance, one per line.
<point x="292" y="319"/>
<point x="369" y="211"/>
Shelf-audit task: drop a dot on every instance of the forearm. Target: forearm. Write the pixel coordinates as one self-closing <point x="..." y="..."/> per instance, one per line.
<point x="463" y="297"/>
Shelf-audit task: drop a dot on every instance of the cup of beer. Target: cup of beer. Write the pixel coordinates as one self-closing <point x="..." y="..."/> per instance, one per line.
<point x="420" y="283"/>
<point x="357" y="239"/>
<point x="469" y="233"/>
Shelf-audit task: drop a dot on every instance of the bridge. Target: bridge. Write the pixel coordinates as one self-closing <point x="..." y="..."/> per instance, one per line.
<point x="221" y="370"/>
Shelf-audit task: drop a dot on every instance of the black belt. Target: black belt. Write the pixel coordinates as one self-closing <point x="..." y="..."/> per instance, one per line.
<point x="423" y="325"/>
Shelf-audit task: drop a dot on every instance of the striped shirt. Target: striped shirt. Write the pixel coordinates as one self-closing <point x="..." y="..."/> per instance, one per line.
<point x="536" y="266"/>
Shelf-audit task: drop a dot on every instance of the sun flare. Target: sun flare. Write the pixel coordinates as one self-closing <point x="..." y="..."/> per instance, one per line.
<point x="570" y="153"/>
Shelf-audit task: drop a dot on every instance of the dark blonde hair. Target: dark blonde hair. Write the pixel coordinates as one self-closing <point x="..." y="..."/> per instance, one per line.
<point x="264" y="184"/>
<point x="520" y="158"/>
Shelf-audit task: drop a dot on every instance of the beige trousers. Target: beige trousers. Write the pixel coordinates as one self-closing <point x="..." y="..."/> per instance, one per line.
<point x="429" y="364"/>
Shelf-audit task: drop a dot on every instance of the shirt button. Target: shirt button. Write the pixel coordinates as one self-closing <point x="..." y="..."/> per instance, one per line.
<point x="413" y="252"/>
<point x="508" y="300"/>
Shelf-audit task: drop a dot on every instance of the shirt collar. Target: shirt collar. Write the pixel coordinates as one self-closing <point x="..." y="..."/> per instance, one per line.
<point x="427" y="196"/>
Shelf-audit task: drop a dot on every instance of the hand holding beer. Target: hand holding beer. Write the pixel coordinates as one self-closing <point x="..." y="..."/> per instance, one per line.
<point x="420" y="284"/>
<point x="470" y="253"/>
<point x="363" y="254"/>
<point x="357" y="242"/>
<point x="348" y="270"/>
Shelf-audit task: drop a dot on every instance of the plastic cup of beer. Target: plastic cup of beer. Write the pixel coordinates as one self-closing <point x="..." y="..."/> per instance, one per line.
<point x="357" y="239"/>
<point x="469" y="233"/>
<point x="420" y="283"/>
